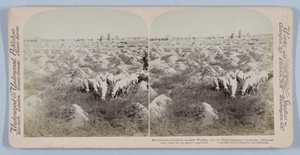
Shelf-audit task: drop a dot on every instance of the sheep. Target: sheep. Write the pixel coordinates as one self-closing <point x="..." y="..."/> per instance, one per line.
<point x="142" y="76"/>
<point x="133" y="78"/>
<point x="93" y="83"/>
<point x="263" y="76"/>
<point x="249" y="74"/>
<point x="120" y="77"/>
<point x="102" y="77"/>
<point x="251" y="83"/>
<point x="223" y="82"/>
<point x="216" y="83"/>
<point x="121" y="86"/>
<point x="232" y="84"/>
<point x="86" y="85"/>
<point x="240" y="76"/>
<point x="102" y="84"/>
<point x="111" y="79"/>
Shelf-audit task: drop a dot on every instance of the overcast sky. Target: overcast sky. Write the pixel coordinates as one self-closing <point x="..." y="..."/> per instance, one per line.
<point x="186" y="22"/>
<point x="84" y="23"/>
<point x="195" y="22"/>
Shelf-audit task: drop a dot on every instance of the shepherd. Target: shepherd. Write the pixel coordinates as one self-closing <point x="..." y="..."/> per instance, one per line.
<point x="145" y="60"/>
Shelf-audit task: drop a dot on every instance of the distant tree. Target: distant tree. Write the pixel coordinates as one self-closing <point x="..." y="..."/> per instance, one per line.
<point x="240" y="34"/>
<point x="231" y="35"/>
<point x="108" y="37"/>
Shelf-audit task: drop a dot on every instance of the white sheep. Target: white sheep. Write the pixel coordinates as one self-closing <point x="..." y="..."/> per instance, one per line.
<point x="120" y="77"/>
<point x="93" y="84"/>
<point x="232" y="84"/>
<point x="251" y="83"/>
<point x="216" y="83"/>
<point x="134" y="78"/>
<point x="263" y="76"/>
<point x="121" y="86"/>
<point x="111" y="79"/>
<point x="102" y="84"/>
<point x="249" y="74"/>
<point x="240" y="76"/>
<point x="85" y="84"/>
<point x="223" y="82"/>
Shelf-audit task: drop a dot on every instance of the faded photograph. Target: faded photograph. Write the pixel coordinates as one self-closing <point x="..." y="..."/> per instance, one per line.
<point x="85" y="74"/>
<point x="211" y="73"/>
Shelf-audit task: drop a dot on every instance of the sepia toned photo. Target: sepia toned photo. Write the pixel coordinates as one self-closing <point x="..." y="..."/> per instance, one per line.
<point x="212" y="73"/>
<point x="150" y="77"/>
<point x="85" y="74"/>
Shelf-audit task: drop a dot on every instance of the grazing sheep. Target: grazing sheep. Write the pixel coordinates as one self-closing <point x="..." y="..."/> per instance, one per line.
<point x="232" y="84"/>
<point x="86" y="85"/>
<point x="111" y="79"/>
<point x="102" y="77"/>
<point x="134" y="78"/>
<point x="263" y="76"/>
<point x="251" y="83"/>
<point x="249" y="74"/>
<point x="142" y="76"/>
<point x="120" y="77"/>
<point x="93" y="84"/>
<point x="121" y="86"/>
<point x="223" y="82"/>
<point x="216" y="83"/>
<point x="102" y="84"/>
<point x="240" y="76"/>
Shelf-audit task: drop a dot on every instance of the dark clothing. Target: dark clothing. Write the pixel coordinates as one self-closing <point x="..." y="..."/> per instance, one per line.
<point x="145" y="60"/>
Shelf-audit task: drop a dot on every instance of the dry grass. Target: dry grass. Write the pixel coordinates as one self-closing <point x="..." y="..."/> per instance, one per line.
<point x="249" y="115"/>
<point x="110" y="118"/>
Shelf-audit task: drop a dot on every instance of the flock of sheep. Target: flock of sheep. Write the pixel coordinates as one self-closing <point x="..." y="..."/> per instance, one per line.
<point x="99" y="84"/>
<point x="250" y="81"/>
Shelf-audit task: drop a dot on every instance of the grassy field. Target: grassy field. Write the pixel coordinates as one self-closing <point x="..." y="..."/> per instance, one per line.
<point x="247" y="115"/>
<point x="122" y="116"/>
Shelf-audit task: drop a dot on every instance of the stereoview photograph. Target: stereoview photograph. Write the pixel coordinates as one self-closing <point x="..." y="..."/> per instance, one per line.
<point x="212" y="71"/>
<point x="150" y="77"/>
<point x="85" y="74"/>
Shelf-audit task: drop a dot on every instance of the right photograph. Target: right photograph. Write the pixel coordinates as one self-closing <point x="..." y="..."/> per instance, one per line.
<point x="211" y="73"/>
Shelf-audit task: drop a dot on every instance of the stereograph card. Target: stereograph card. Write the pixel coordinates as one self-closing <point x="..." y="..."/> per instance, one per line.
<point x="150" y="77"/>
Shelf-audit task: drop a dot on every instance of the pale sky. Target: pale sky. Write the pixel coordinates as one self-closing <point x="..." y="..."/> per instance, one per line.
<point x="198" y="22"/>
<point x="84" y="23"/>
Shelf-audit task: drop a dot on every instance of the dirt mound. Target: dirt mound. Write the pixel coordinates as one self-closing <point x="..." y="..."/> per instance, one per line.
<point x="72" y="115"/>
<point x="142" y="87"/>
<point x="207" y="81"/>
<point x="170" y="71"/>
<point x="32" y="108"/>
<point x="136" y="111"/>
<point x="172" y="59"/>
<point x="159" y="105"/>
<point x="181" y="66"/>
<point x="210" y="114"/>
<point x="195" y="79"/>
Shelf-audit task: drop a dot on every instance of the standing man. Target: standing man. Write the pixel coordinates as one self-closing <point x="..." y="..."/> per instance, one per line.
<point x="145" y="60"/>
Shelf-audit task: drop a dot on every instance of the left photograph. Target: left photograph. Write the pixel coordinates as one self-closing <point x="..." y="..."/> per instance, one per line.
<point x="85" y="74"/>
